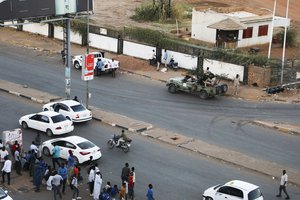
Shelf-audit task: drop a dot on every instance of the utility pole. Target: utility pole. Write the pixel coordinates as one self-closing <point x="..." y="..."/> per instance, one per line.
<point x="272" y="26"/>
<point x="68" y="61"/>
<point x="88" y="50"/>
<point x="284" y="41"/>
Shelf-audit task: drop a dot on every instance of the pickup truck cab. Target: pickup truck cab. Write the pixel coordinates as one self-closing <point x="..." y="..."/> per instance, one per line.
<point x="77" y="62"/>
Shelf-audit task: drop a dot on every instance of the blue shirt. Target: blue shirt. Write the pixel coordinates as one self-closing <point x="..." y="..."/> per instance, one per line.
<point x="150" y="194"/>
<point x="63" y="172"/>
<point x="100" y="64"/>
<point x="56" y="152"/>
<point x="70" y="161"/>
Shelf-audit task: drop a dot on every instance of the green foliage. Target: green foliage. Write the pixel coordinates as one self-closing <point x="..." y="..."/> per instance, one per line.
<point x="290" y="38"/>
<point x="144" y="35"/>
<point x="147" y="13"/>
<point x="179" y="11"/>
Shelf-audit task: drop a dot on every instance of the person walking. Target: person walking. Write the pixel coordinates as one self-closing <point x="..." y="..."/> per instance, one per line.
<point x="125" y="173"/>
<point x="74" y="183"/>
<point x="6" y="170"/>
<point x="91" y="179"/>
<point x="18" y="164"/>
<point x="70" y="165"/>
<point x="38" y="143"/>
<point x="165" y="58"/>
<point x="150" y="192"/>
<point x="37" y="176"/>
<point x="3" y="154"/>
<point x="236" y="84"/>
<point x="56" y="182"/>
<point x="131" y="186"/>
<point x="283" y="184"/>
<point x="55" y="155"/>
<point x="123" y="191"/>
<point x="32" y="159"/>
<point x="63" y="171"/>
<point x="97" y="185"/>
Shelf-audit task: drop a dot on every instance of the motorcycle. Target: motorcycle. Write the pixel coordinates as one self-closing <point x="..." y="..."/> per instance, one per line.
<point x="124" y="145"/>
<point x="172" y="64"/>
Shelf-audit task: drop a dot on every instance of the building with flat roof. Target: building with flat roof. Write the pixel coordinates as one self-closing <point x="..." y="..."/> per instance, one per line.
<point x="233" y="28"/>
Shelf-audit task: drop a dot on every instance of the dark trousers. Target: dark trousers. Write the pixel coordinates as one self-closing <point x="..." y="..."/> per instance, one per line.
<point x="75" y="192"/>
<point x="56" y="191"/>
<point x="64" y="185"/>
<point x="55" y="160"/>
<point x="283" y="188"/>
<point x="91" y="186"/>
<point x="8" y="177"/>
<point x="18" y="166"/>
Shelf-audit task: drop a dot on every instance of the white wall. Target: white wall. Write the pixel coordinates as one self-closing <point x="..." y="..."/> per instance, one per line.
<point x="41" y="29"/>
<point x="58" y="32"/>
<point x="75" y="37"/>
<point x="185" y="61"/>
<point x="255" y="40"/>
<point x="224" y="69"/>
<point x="200" y="21"/>
<point x="137" y="50"/>
<point x="103" y="42"/>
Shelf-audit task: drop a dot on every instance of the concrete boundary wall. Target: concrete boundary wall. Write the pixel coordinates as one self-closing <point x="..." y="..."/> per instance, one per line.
<point x="103" y="42"/>
<point x="227" y="70"/>
<point x="41" y="29"/>
<point x="137" y="50"/>
<point x="185" y="61"/>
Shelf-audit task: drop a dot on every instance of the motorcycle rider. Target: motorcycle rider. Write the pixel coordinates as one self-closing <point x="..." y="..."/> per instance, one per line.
<point x="121" y="138"/>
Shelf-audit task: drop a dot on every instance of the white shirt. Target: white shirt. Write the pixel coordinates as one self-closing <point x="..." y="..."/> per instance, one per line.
<point x="3" y="154"/>
<point x="114" y="64"/>
<point x="17" y="156"/>
<point x="57" y="179"/>
<point x="284" y="179"/>
<point x="33" y="147"/>
<point x="7" y="166"/>
<point x="92" y="175"/>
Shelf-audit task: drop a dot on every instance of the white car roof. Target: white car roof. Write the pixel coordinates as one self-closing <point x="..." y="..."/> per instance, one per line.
<point x="48" y="113"/>
<point x="241" y="185"/>
<point x="73" y="139"/>
<point x="69" y="102"/>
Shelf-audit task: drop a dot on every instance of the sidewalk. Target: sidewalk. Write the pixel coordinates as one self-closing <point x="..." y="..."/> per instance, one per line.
<point x="265" y="167"/>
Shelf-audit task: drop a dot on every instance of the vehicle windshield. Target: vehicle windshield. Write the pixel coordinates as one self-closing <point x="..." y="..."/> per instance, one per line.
<point x="86" y="145"/>
<point x="58" y="118"/>
<point x="255" y="194"/>
<point x="78" y="108"/>
<point x="2" y="194"/>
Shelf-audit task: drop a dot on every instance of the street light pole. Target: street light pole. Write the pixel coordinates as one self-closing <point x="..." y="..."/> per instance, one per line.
<point x="272" y="26"/>
<point x="284" y="41"/>
<point x="88" y="50"/>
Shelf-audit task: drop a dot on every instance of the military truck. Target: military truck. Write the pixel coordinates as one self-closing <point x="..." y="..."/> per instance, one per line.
<point x="205" y="86"/>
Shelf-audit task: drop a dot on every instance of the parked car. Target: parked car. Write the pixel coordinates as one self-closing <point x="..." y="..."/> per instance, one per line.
<point x="82" y="148"/>
<point x="234" y="190"/>
<point x="4" y="195"/>
<point x="73" y="110"/>
<point x="50" y="122"/>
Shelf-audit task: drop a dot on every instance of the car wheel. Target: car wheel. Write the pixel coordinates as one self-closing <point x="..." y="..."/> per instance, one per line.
<point x="49" y="132"/>
<point x="208" y="198"/>
<point x="76" y="161"/>
<point x="46" y="109"/>
<point x="76" y="65"/>
<point x="24" y="125"/>
<point x="203" y="94"/>
<point x="172" y="89"/>
<point x="46" y="151"/>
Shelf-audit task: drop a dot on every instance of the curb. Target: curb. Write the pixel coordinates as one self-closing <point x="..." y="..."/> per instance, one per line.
<point x="277" y="127"/>
<point x="142" y="75"/>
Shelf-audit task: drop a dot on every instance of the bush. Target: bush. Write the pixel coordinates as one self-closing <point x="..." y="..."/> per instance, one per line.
<point x="290" y="38"/>
<point x="147" y="13"/>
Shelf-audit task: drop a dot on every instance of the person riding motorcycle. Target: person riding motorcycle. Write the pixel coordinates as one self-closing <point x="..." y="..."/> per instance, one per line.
<point x="121" y="138"/>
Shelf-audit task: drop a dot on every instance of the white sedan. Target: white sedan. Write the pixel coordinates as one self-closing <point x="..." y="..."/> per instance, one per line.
<point x="82" y="148"/>
<point x="233" y="190"/>
<point x="48" y="121"/>
<point x="4" y="195"/>
<point x="73" y="110"/>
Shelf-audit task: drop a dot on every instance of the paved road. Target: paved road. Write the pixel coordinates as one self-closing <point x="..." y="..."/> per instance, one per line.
<point x="219" y="121"/>
<point x="175" y="173"/>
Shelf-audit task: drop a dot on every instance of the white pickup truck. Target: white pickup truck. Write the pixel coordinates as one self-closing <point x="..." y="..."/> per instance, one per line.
<point x="78" y="61"/>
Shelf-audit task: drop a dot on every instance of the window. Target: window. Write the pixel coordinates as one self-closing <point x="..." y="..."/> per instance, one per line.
<point x="224" y="190"/>
<point x="255" y="194"/>
<point x="263" y="30"/>
<point x="236" y="192"/>
<point x="247" y="33"/>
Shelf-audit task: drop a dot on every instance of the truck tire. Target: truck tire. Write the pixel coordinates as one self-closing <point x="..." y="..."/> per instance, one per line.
<point x="203" y="94"/>
<point x="77" y="65"/>
<point x="172" y="88"/>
